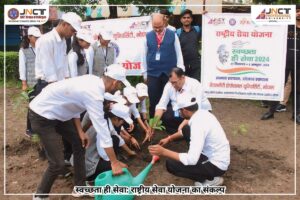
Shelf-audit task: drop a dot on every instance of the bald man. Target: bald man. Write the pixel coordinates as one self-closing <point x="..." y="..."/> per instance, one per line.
<point x="162" y="53"/>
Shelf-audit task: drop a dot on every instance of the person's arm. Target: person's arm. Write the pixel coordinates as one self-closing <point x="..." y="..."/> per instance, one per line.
<point x="165" y="98"/>
<point x="22" y="69"/>
<point x="179" y="56"/>
<point x="116" y="165"/>
<point x="157" y="150"/>
<point x="95" y="110"/>
<point x="170" y="138"/>
<point x="84" y="138"/>
<point x="72" y="62"/>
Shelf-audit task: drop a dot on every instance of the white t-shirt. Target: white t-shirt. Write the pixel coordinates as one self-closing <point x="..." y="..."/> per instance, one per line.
<point x="208" y="138"/>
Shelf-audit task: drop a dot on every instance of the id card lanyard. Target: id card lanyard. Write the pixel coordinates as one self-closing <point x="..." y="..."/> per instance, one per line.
<point x="159" y="41"/>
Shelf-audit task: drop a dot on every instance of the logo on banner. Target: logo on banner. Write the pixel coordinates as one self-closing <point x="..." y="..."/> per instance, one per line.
<point x="26" y="14"/>
<point x="13" y="13"/>
<point x="273" y="14"/>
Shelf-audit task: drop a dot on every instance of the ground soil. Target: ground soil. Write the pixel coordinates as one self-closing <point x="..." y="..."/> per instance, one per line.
<point x="262" y="159"/>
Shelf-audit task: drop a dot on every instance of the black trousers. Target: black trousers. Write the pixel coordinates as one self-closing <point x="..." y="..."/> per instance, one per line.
<point x="155" y="89"/>
<point x="193" y="68"/>
<point x="36" y="90"/>
<point x="203" y="170"/>
<point x="50" y="133"/>
<point x="104" y="165"/>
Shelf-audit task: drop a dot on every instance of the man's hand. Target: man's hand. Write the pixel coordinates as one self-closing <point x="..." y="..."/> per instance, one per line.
<point x="116" y="167"/>
<point x="85" y="140"/>
<point x="24" y="86"/>
<point x="149" y="135"/>
<point x="164" y="141"/>
<point x="135" y="143"/>
<point x="156" y="150"/>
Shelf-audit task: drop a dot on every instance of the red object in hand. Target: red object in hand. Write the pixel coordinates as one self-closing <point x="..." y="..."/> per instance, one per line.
<point x="155" y="159"/>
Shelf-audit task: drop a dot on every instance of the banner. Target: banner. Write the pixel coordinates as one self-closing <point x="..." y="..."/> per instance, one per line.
<point x="242" y="60"/>
<point x="128" y="39"/>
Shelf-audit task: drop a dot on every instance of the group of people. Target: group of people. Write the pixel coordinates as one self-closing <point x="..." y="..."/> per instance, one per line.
<point x="85" y="111"/>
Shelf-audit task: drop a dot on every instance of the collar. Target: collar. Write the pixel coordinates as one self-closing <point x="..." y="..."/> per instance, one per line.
<point x="184" y="87"/>
<point x="57" y="36"/>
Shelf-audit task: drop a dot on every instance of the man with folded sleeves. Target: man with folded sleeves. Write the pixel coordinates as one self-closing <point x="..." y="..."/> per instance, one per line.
<point x="55" y="113"/>
<point x="177" y="84"/>
<point x="208" y="156"/>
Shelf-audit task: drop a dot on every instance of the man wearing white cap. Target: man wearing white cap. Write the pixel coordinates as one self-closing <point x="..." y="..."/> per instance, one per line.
<point x="55" y="113"/>
<point x="26" y="64"/>
<point x="105" y="53"/>
<point x="208" y="156"/>
<point x="51" y="62"/>
<point x="78" y="63"/>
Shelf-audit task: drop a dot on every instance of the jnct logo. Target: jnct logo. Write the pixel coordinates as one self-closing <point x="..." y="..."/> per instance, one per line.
<point x="33" y="12"/>
<point x="275" y="13"/>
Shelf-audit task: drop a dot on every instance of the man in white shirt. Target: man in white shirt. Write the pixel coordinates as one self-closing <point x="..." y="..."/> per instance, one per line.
<point x="55" y="113"/>
<point x="208" y="156"/>
<point x="162" y="52"/>
<point x="51" y="63"/>
<point x="177" y="84"/>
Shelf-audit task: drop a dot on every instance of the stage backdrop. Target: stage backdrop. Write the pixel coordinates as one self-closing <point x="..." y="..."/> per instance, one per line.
<point x="128" y="39"/>
<point x="242" y="60"/>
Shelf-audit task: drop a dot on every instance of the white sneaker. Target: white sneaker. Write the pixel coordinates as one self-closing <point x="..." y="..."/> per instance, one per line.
<point x="39" y="198"/>
<point x="199" y="184"/>
<point x="215" y="182"/>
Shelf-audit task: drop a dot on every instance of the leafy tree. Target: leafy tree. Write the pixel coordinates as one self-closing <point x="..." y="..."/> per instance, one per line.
<point x="144" y="10"/>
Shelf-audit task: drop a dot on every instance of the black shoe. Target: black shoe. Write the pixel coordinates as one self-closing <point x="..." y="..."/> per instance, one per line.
<point x="268" y="115"/>
<point x="280" y="108"/>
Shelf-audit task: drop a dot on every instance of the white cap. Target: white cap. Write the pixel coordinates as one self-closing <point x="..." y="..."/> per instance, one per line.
<point x="115" y="98"/>
<point x="117" y="72"/>
<point x="34" y="31"/>
<point x="85" y="35"/>
<point x="131" y="94"/>
<point x="121" y="111"/>
<point x="142" y="90"/>
<point x="184" y="100"/>
<point x="73" y="19"/>
<point x="106" y="35"/>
